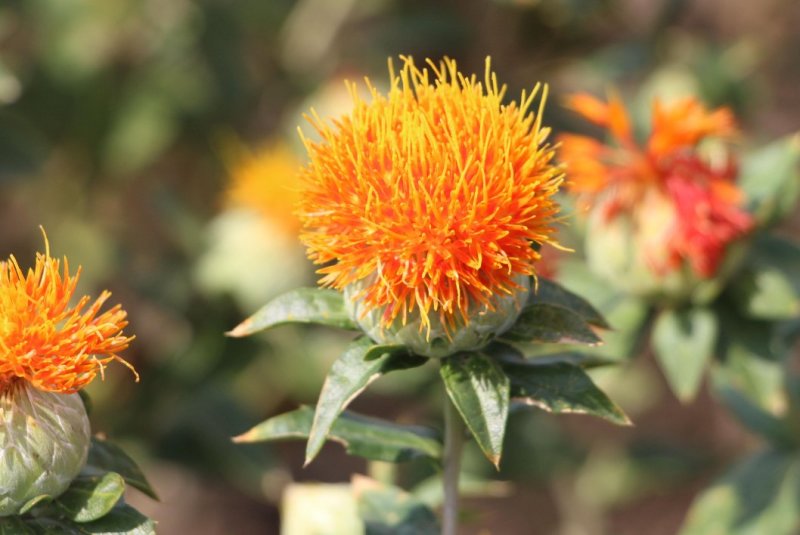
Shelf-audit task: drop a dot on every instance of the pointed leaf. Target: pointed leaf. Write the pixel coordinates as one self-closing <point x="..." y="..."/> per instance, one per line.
<point x="759" y="496"/>
<point x="91" y="497"/>
<point x="123" y="519"/>
<point x="770" y="179"/>
<point x="551" y="293"/>
<point x="107" y="457"/>
<point x="303" y="305"/>
<point x="479" y="389"/>
<point x="683" y="341"/>
<point x="352" y="372"/>
<point x="386" y="509"/>
<point x="364" y="436"/>
<point x="561" y="388"/>
<point x="550" y="324"/>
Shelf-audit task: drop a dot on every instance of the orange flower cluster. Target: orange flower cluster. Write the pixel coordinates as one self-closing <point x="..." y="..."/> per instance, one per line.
<point x="626" y="178"/>
<point x="431" y="194"/>
<point x="44" y="341"/>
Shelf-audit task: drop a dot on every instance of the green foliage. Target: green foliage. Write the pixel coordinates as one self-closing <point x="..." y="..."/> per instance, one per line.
<point x="367" y="437"/>
<point x="761" y="495"/>
<point x="93" y="503"/>
<point x="770" y="179"/>
<point x="388" y="510"/>
<point x="551" y="324"/>
<point x="548" y="292"/>
<point x="352" y="372"/>
<point x="560" y="388"/>
<point x="303" y="305"/>
<point x="683" y="341"/>
<point x="479" y="390"/>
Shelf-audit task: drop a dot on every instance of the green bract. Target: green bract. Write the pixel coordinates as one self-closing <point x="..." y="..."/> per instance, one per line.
<point x="484" y="323"/>
<point x="44" y="440"/>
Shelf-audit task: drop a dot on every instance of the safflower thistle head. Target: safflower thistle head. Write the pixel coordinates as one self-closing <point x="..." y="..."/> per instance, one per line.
<point x="48" y="351"/>
<point x="423" y="205"/>
<point x="661" y="215"/>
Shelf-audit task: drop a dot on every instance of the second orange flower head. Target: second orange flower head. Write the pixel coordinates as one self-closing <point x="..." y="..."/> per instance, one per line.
<point x="430" y="197"/>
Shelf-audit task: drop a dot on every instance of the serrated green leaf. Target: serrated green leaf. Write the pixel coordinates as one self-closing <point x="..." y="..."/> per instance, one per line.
<point x="683" y="342"/>
<point x="770" y="179"/>
<point x="91" y="497"/>
<point x="560" y="388"/>
<point x="122" y="520"/>
<point x="759" y="496"/>
<point x="550" y="324"/>
<point x="302" y="305"/>
<point x="753" y="417"/>
<point x="551" y="293"/>
<point x="107" y="457"/>
<point x="364" y="436"/>
<point x="388" y="510"/>
<point x="479" y="390"/>
<point x="350" y="374"/>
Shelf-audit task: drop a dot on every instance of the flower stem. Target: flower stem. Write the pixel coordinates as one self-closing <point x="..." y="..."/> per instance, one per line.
<point x="453" y="446"/>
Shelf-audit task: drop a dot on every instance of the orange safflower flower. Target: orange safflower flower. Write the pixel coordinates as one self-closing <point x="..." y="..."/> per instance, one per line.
<point x="44" y="341"/>
<point x="264" y="181"/>
<point x="667" y="170"/>
<point x="430" y="195"/>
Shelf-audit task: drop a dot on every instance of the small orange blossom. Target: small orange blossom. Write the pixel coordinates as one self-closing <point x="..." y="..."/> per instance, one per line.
<point x="430" y="196"/>
<point x="48" y="343"/>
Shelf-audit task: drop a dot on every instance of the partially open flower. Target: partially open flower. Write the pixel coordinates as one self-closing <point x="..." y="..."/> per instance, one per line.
<point x="662" y="216"/>
<point x="423" y="205"/>
<point x="48" y="351"/>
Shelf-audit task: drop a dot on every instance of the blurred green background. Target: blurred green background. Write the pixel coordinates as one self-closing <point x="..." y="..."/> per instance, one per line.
<point x="154" y="141"/>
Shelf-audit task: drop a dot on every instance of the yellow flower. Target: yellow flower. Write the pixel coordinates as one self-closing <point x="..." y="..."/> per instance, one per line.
<point x="46" y="342"/>
<point x="427" y="200"/>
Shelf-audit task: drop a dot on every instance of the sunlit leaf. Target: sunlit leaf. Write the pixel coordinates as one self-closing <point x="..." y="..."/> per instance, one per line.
<point x="560" y="388"/>
<point x="551" y="293"/>
<point x="479" y="389"/>
<point x="683" y="341"/>
<point x="91" y="497"/>
<point x="364" y="436"/>
<point x="302" y="305"/>
<point x="350" y="374"/>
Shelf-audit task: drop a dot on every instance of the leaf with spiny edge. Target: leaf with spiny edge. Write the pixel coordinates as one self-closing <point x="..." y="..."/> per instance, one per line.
<point x="302" y="305"/>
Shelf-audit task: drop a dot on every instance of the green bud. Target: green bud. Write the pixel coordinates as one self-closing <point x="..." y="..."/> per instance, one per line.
<point x="44" y="441"/>
<point x="483" y="323"/>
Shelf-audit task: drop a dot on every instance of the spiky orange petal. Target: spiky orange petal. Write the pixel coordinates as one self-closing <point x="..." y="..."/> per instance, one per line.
<point x="45" y="341"/>
<point x="433" y="192"/>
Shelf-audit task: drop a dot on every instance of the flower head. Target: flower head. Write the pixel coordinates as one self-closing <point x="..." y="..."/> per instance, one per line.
<point x="262" y="181"/>
<point x="683" y="208"/>
<point x="428" y="198"/>
<point x="46" y="342"/>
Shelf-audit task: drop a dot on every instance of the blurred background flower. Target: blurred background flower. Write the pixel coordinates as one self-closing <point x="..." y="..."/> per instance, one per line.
<point x="111" y="115"/>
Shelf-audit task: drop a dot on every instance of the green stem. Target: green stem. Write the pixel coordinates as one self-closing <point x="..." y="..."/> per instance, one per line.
<point x="453" y="446"/>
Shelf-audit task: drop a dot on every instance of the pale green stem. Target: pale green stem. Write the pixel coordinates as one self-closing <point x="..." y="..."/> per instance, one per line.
<point x="453" y="446"/>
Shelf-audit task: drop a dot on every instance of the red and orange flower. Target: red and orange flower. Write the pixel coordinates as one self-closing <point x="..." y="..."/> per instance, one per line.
<point x="44" y="340"/>
<point x="427" y="199"/>
<point x="681" y="209"/>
